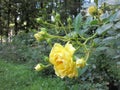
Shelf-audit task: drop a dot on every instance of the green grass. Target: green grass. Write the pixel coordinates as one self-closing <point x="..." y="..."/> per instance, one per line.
<point x="23" y="77"/>
<point x="15" y="76"/>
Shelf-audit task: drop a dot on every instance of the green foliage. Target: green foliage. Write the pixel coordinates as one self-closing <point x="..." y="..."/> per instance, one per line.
<point x="104" y="28"/>
<point x="78" y="22"/>
<point x="105" y="57"/>
<point x="24" y="48"/>
<point x="98" y="36"/>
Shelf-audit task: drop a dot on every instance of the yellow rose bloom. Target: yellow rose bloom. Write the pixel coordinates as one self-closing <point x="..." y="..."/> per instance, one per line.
<point x="92" y="10"/>
<point x="66" y="69"/>
<point x="80" y="63"/>
<point x="39" y="67"/>
<point x="61" y="58"/>
<point x="70" y="48"/>
<point x="60" y="53"/>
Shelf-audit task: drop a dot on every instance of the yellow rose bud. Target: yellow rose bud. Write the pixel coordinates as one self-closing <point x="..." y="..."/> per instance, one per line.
<point x="100" y="12"/>
<point x="92" y="10"/>
<point x="39" y="67"/>
<point x="80" y="63"/>
<point x="41" y="35"/>
<point x="37" y="36"/>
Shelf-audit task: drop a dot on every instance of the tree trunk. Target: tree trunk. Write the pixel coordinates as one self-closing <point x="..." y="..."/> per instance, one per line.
<point x="8" y="22"/>
<point x="1" y="22"/>
<point x="16" y="24"/>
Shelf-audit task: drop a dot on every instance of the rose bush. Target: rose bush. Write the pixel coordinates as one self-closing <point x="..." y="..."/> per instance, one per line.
<point x="92" y="36"/>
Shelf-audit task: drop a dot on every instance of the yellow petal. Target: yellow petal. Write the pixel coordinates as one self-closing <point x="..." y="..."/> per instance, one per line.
<point x="70" y="48"/>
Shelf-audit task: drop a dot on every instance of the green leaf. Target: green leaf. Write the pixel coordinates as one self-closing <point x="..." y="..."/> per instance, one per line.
<point x="118" y="36"/>
<point x="83" y="31"/>
<point x="82" y="71"/>
<point x="97" y="40"/>
<point x="88" y="21"/>
<point x="115" y="17"/>
<point x="111" y="52"/>
<point x="104" y="28"/>
<point x="77" y="22"/>
<point x="117" y="25"/>
<point x="104" y="17"/>
<point x="109" y="40"/>
<point x="116" y="57"/>
<point x="98" y="49"/>
<point x="94" y="22"/>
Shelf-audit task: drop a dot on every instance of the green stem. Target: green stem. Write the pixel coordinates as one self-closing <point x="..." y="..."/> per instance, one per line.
<point x="87" y="55"/>
<point x="82" y="37"/>
<point x="48" y="24"/>
<point x="48" y="65"/>
<point x="62" y="27"/>
<point x="60" y="37"/>
<point x="90" y="38"/>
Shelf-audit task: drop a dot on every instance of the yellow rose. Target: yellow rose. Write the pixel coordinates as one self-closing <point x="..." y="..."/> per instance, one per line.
<point x="92" y="10"/>
<point x="61" y="58"/>
<point x="80" y="63"/>
<point x="60" y="53"/>
<point x="39" y="67"/>
<point x="66" y="69"/>
<point x="70" y="48"/>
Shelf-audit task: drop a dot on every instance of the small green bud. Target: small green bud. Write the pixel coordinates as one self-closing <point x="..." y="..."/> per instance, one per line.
<point x="53" y="12"/>
<point x="12" y="25"/>
<point x="39" y="20"/>
<point x="57" y="17"/>
<point x="46" y="59"/>
<point x="48" y="40"/>
<point x="69" y="20"/>
<point x="43" y="29"/>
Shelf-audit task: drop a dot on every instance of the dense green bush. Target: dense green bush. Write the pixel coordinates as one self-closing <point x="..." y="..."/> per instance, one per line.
<point x="101" y="34"/>
<point x="104" y="60"/>
<point x="24" y="48"/>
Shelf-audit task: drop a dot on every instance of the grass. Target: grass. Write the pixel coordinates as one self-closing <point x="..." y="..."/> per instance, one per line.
<point x="23" y="77"/>
<point x="14" y="76"/>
